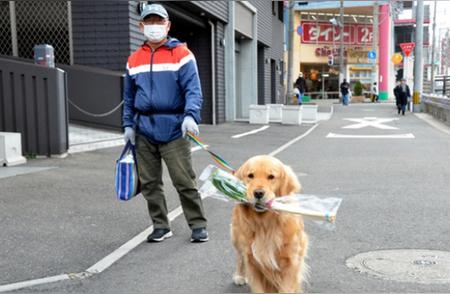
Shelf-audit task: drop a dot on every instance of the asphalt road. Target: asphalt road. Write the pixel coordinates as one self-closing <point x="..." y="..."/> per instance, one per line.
<point x="395" y="195"/>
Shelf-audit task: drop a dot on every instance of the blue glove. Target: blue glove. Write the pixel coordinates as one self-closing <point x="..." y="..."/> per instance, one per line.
<point x="129" y="135"/>
<point x="189" y="125"/>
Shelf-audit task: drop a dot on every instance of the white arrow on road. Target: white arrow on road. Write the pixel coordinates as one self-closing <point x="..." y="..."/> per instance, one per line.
<point x="370" y="121"/>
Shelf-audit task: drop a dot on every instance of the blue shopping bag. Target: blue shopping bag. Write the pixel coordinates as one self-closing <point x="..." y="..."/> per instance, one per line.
<point x="127" y="178"/>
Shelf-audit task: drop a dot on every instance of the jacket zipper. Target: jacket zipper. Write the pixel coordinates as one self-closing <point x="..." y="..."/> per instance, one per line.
<point x="152" y="105"/>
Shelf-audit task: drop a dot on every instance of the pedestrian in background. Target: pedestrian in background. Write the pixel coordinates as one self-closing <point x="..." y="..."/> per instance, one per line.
<point x="396" y="94"/>
<point x="300" y="84"/>
<point x="162" y="102"/>
<point x="345" y="92"/>
<point x="375" y="92"/>
<point x="402" y="95"/>
<point x="297" y="94"/>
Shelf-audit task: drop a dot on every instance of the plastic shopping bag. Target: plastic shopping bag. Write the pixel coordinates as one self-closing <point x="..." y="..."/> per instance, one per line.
<point x="127" y="178"/>
<point x="224" y="186"/>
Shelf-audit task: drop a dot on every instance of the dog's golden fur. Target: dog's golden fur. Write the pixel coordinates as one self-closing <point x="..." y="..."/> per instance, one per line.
<point x="270" y="246"/>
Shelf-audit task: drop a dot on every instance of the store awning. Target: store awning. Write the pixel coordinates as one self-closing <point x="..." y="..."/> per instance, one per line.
<point x="361" y="68"/>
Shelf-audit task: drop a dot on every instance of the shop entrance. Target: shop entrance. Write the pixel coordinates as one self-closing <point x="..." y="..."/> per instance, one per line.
<point x="322" y="81"/>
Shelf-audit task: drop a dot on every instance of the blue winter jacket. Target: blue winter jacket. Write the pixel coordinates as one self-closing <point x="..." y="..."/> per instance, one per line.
<point x="161" y="88"/>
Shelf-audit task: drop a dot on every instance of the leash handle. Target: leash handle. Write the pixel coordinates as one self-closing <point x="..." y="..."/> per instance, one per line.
<point x="217" y="158"/>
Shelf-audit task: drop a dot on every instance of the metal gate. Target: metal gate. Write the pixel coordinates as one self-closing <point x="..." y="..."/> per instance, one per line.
<point x="23" y="24"/>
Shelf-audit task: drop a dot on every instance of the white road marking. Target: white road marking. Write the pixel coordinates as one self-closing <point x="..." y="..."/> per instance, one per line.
<point x="370" y="121"/>
<point x="31" y="283"/>
<point x="117" y="254"/>
<point x="273" y="153"/>
<point x="399" y="136"/>
<point x="120" y="252"/>
<point x="250" y="133"/>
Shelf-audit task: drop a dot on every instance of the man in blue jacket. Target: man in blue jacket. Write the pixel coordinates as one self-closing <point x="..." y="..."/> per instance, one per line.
<point x="162" y="102"/>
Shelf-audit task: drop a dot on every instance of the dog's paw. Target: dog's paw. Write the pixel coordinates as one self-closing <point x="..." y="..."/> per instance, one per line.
<point x="239" y="280"/>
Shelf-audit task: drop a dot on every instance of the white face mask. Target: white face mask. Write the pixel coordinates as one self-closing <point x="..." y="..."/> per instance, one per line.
<point x="155" y="33"/>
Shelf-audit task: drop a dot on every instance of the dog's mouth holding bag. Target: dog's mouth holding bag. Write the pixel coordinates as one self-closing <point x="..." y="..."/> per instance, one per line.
<point x="222" y="185"/>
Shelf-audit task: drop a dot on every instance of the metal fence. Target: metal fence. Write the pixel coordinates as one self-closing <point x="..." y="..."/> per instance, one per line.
<point x="5" y="29"/>
<point x="23" y="24"/>
<point x="33" y="102"/>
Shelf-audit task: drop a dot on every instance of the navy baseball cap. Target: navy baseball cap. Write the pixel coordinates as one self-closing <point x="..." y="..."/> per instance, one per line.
<point x="157" y="9"/>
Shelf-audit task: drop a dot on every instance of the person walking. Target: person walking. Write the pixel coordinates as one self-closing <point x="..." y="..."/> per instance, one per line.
<point x="300" y="84"/>
<point x="297" y="94"/>
<point x="397" y="96"/>
<point x="402" y="94"/>
<point x="345" y="92"/>
<point x="375" y="92"/>
<point x="162" y="102"/>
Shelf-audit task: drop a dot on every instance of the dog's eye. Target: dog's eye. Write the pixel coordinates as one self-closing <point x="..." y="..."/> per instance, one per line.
<point x="250" y="176"/>
<point x="271" y="177"/>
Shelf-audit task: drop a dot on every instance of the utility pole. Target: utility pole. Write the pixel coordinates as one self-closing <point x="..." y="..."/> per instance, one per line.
<point x="341" y="48"/>
<point x="418" y="57"/>
<point x="290" y="73"/>
<point x="375" y="43"/>
<point x="433" y="46"/>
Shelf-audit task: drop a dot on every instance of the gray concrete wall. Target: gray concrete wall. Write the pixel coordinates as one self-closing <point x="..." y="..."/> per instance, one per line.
<point x="437" y="106"/>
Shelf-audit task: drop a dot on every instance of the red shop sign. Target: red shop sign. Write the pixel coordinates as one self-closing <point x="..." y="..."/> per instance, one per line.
<point x="324" y="33"/>
<point x="364" y="34"/>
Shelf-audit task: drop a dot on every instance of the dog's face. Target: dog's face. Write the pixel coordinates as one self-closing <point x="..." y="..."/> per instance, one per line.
<point x="266" y="178"/>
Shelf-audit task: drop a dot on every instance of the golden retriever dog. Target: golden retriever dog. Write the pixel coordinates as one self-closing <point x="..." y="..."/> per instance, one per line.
<point x="270" y="246"/>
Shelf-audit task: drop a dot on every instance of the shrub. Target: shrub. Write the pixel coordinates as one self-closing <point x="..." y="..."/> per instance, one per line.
<point x="358" y="88"/>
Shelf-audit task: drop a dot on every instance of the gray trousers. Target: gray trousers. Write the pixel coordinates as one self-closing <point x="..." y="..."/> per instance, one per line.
<point x="177" y="156"/>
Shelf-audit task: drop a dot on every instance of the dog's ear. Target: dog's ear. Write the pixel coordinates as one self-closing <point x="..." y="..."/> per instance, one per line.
<point x="288" y="183"/>
<point x="241" y="172"/>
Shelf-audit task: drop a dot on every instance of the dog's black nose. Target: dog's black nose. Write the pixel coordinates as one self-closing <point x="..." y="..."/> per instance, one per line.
<point x="259" y="193"/>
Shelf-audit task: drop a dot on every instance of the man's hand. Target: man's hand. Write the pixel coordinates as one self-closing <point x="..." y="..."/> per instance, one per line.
<point x="129" y="135"/>
<point x="189" y="125"/>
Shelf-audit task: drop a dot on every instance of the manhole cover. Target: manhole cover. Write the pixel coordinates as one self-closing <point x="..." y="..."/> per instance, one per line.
<point x="408" y="265"/>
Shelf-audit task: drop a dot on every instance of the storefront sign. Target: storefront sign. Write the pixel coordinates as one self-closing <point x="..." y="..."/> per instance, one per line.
<point x="326" y="33"/>
<point x="360" y="55"/>
<point x="326" y="51"/>
<point x="364" y="34"/>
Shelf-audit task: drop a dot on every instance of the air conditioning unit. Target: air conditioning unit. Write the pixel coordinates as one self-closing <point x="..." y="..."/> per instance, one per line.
<point x="11" y="149"/>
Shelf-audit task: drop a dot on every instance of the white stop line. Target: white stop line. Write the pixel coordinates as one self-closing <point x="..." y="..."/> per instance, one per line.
<point x="395" y="136"/>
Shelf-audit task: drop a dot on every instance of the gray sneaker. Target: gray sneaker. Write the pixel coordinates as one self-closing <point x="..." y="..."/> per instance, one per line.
<point x="199" y="235"/>
<point x="159" y="235"/>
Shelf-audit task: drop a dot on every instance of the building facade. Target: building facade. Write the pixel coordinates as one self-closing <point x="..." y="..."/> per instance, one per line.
<point x="238" y="44"/>
<point x="317" y="45"/>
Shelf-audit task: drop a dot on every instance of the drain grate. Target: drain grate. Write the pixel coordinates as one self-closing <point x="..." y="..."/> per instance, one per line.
<point x="404" y="265"/>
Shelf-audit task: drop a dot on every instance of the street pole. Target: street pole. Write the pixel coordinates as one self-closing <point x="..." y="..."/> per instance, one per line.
<point x="290" y="73"/>
<point x="341" y="47"/>
<point x="433" y="46"/>
<point x="418" y="55"/>
<point x="375" y="43"/>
